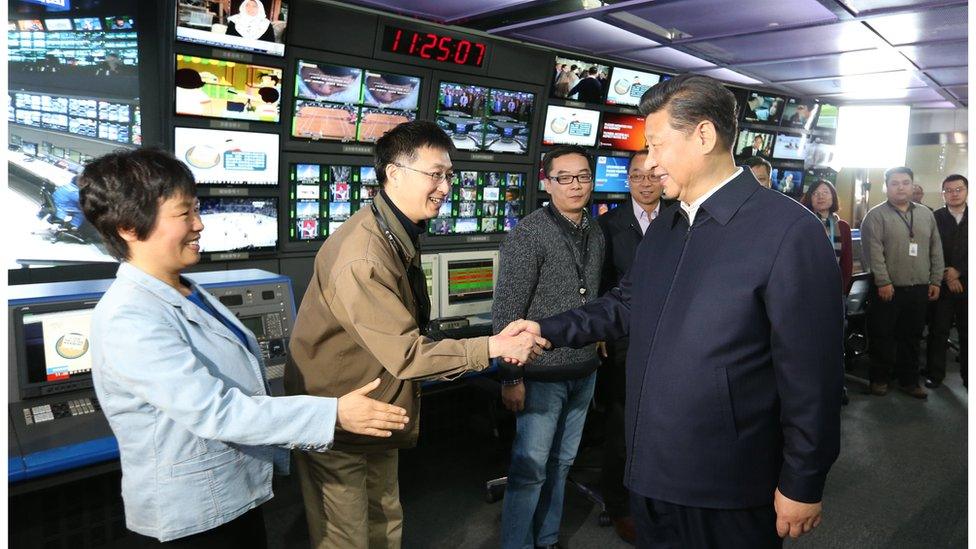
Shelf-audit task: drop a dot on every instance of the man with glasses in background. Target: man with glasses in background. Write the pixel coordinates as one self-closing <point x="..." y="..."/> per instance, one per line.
<point x="550" y="263"/>
<point x="364" y="317"/>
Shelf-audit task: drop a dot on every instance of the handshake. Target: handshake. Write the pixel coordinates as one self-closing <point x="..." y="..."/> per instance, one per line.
<point x="519" y="343"/>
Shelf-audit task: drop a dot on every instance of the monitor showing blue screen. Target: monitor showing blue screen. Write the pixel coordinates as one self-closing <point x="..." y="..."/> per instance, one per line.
<point x="611" y="174"/>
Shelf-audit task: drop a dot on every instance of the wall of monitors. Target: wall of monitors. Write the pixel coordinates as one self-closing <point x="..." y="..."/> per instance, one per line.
<point x="322" y="196"/>
<point x="480" y="118"/>
<point x="482" y="202"/>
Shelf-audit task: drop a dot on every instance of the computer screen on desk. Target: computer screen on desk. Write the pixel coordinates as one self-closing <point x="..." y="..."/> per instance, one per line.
<point x="467" y="282"/>
<point x="53" y="347"/>
<point x="432" y="271"/>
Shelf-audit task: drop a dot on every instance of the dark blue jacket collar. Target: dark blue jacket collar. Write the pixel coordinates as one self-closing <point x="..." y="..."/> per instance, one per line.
<point x="724" y="204"/>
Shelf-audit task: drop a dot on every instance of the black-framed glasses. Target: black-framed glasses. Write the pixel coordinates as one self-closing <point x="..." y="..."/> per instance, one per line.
<point x="956" y="190"/>
<point x="566" y="179"/>
<point x="436" y="176"/>
<point x="640" y="177"/>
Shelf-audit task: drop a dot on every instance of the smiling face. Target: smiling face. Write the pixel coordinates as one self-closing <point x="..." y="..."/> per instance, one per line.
<point x="647" y="191"/>
<point x="672" y="155"/>
<point x="821" y="199"/>
<point x="572" y="197"/>
<point x="173" y="244"/>
<point x="417" y="194"/>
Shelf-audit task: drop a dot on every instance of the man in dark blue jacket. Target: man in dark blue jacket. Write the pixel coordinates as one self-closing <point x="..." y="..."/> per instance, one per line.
<point x="735" y="364"/>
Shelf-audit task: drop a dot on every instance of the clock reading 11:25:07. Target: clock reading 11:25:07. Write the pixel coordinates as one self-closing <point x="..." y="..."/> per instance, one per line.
<point x="433" y="46"/>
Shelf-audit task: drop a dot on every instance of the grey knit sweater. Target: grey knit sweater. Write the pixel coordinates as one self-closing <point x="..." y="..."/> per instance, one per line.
<point x="537" y="279"/>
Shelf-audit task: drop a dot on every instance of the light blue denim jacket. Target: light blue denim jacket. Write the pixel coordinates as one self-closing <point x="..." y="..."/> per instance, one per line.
<point x="198" y="434"/>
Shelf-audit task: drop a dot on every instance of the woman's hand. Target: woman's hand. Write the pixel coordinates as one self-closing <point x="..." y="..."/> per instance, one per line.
<point x="357" y="413"/>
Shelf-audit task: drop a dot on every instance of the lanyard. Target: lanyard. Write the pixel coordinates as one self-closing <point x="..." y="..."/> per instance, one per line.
<point x="829" y="222"/>
<point x="578" y="262"/>
<point x="910" y="225"/>
<point x="420" y="297"/>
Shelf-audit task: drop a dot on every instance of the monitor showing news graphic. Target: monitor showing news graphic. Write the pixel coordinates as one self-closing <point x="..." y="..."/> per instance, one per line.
<point x="627" y="86"/>
<point x="220" y="157"/>
<point x="569" y="126"/>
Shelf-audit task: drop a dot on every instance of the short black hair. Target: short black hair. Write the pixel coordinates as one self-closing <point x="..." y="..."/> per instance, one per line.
<point x="956" y="177"/>
<point x="563" y="151"/>
<point x="123" y="190"/>
<point x="402" y="143"/>
<point x="634" y="155"/>
<point x="807" y="199"/>
<point x="899" y="169"/>
<point x="756" y="161"/>
<point x="691" y="98"/>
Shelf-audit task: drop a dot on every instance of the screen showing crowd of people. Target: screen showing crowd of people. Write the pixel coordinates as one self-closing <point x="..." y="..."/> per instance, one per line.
<point x="710" y="305"/>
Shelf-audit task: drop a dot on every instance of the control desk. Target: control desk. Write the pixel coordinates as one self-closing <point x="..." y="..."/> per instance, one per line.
<point x="55" y="423"/>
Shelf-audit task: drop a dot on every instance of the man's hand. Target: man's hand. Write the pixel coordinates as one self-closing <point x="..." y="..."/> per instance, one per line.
<point x="951" y="273"/>
<point x="521" y="325"/>
<point x="794" y="518"/>
<point x="601" y="349"/>
<point x="357" y="413"/>
<point x="516" y="349"/>
<point x="955" y="286"/>
<point x="886" y="292"/>
<point x="933" y="292"/>
<point x="516" y="328"/>
<point x="513" y="397"/>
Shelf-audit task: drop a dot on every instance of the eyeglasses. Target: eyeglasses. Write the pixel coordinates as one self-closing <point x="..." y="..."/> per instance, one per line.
<point x="823" y="194"/>
<point x="957" y="190"/>
<point x="640" y="178"/>
<point x="566" y="179"/>
<point x="437" y="177"/>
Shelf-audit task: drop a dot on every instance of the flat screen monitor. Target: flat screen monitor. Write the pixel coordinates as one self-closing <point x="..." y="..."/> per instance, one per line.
<point x="88" y="24"/>
<point x="800" y="113"/>
<point x="431" y="265"/>
<point x="119" y="23"/>
<point x="611" y="174"/>
<point x="481" y="202"/>
<point x="387" y="90"/>
<point x="221" y="157"/>
<point x="508" y="121"/>
<point x="58" y="24"/>
<point x="238" y="224"/>
<point x="226" y="89"/>
<point x="570" y="126"/>
<point x="329" y="82"/>
<point x="29" y="148"/>
<point x="323" y="196"/>
<point x="763" y="108"/>
<point x="754" y="143"/>
<point x="257" y="27"/>
<point x="53" y="346"/>
<point x="827" y="117"/>
<point x="461" y="113"/>
<point x="601" y="207"/>
<point x="30" y="25"/>
<point x="578" y="80"/>
<point x="787" y="181"/>
<point x="624" y="132"/>
<point x="467" y="282"/>
<point x="627" y="86"/>
<point x="790" y="147"/>
<point x="819" y="153"/>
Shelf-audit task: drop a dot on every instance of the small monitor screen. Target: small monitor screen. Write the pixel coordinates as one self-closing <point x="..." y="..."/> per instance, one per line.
<point x="220" y="157"/>
<point x="58" y="24"/>
<point x="819" y="153"/>
<point x="800" y="113"/>
<point x="470" y="280"/>
<point x="763" y="108"/>
<point x="787" y="181"/>
<point x="119" y="23"/>
<point x="507" y="125"/>
<point x="569" y="126"/>
<point x="577" y="80"/>
<point x="790" y="147"/>
<point x="227" y="89"/>
<point x="611" y="174"/>
<point x="88" y="24"/>
<point x="754" y="143"/>
<point x="375" y="122"/>
<point x="391" y="91"/>
<point x="827" y="118"/>
<point x="28" y="25"/>
<point x="327" y="82"/>
<point x="238" y="224"/>
<point x="599" y="208"/>
<point x="480" y="202"/>
<point x="623" y="132"/>
<point x="461" y="113"/>
<point x="627" y="86"/>
<point x="323" y="196"/>
<point x="252" y="26"/>
<point x="57" y="345"/>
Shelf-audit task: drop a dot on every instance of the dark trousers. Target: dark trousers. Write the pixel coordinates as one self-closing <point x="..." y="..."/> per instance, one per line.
<point x="246" y="530"/>
<point x="616" y="497"/>
<point x="662" y="525"/>
<point x="894" y="333"/>
<point x="947" y="311"/>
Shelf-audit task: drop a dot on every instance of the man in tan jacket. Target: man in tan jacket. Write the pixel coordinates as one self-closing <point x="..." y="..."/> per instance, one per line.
<point x="363" y="317"/>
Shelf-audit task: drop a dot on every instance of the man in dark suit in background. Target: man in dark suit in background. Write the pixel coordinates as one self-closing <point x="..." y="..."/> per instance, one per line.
<point x="736" y="340"/>
<point x="589" y="88"/>
<point x="623" y="228"/>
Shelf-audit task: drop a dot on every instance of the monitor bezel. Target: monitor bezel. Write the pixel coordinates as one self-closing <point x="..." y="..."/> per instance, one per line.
<point x="465" y="309"/>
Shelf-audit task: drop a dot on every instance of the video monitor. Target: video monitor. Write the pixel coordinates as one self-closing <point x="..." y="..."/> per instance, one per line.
<point x="481" y="202"/>
<point x="221" y="157"/>
<point x="119" y="23"/>
<point x="29" y="148"/>
<point x="375" y="122"/>
<point x="754" y="143"/>
<point x="787" y="181"/>
<point x="87" y="24"/>
<point x="790" y="147"/>
<point x="53" y="345"/>
<point x="819" y="153"/>
<point x="508" y="121"/>
<point x="763" y="108"/>
<point x="827" y="118"/>
<point x="599" y="208"/>
<point x="328" y="82"/>
<point x="467" y="282"/>
<point x="391" y="91"/>
<point x="58" y="24"/>
<point x="569" y="126"/>
<point x="238" y="224"/>
<point x="577" y="80"/>
<point x="226" y="89"/>
<point x="30" y="25"/>
<point x="623" y="132"/>
<point x="611" y="174"/>
<point x="252" y="26"/>
<point x="812" y="176"/>
<point x="627" y="86"/>
<point x="800" y="113"/>
<point x="332" y="121"/>
<point x="461" y="113"/>
<point x="323" y="196"/>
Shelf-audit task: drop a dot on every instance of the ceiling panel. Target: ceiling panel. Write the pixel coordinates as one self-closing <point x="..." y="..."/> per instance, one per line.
<point x="922" y="26"/>
<point x="842" y="64"/>
<point x="788" y="44"/>
<point x="934" y="105"/>
<point x="730" y="76"/>
<point x="438" y="10"/>
<point x="961" y="92"/>
<point x="748" y="15"/>
<point x="938" y="55"/>
<point x="949" y="76"/>
<point x="861" y="6"/>
<point x="586" y="35"/>
<point x="863" y="83"/>
<point x="668" y="58"/>
<point x="889" y="95"/>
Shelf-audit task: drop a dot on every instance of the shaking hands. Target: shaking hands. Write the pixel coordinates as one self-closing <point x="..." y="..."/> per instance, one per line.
<point x="519" y="343"/>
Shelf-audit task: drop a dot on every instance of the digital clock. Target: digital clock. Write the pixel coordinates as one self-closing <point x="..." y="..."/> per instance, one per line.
<point x="433" y="46"/>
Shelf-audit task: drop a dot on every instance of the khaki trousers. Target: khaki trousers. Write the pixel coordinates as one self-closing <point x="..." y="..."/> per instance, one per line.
<point x="352" y="501"/>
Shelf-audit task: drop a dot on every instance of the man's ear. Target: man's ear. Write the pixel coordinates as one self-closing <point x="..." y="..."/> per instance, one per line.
<point x="706" y="137"/>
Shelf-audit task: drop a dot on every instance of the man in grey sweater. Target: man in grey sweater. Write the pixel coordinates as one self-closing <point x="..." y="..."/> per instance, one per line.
<point x="903" y="251"/>
<point x="550" y="263"/>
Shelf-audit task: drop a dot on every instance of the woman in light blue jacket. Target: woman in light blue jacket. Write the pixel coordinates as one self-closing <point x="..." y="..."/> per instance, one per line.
<point x="181" y="380"/>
